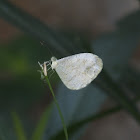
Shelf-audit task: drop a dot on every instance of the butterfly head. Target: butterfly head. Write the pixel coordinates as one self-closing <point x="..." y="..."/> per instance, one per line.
<point x="54" y="62"/>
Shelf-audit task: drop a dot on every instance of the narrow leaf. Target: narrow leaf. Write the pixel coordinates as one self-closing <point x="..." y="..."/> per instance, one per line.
<point x="105" y="82"/>
<point x="74" y="127"/>
<point x="40" y="128"/>
<point x="18" y="127"/>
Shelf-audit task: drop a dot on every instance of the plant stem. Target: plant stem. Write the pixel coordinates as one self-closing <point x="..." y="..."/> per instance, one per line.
<point x="59" y="110"/>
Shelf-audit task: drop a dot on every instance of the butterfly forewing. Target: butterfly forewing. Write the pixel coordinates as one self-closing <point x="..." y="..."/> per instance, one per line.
<point x="77" y="71"/>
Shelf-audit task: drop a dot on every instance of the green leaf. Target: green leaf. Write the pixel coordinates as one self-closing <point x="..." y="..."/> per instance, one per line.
<point x="131" y="80"/>
<point x="105" y="82"/>
<point x="74" y="127"/>
<point x="115" y="49"/>
<point x="18" y="127"/>
<point x="40" y="128"/>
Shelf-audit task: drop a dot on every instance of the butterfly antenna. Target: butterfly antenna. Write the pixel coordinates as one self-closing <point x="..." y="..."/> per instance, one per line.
<point x="47" y="62"/>
<point x="40" y="65"/>
<point x="42" y="43"/>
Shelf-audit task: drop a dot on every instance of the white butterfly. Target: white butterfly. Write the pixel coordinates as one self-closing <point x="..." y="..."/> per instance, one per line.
<point x="77" y="71"/>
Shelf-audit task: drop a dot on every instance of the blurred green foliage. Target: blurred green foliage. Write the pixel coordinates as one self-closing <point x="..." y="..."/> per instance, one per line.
<point x="18" y="72"/>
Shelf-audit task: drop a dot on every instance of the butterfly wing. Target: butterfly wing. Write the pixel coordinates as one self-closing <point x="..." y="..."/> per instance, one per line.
<point x="77" y="71"/>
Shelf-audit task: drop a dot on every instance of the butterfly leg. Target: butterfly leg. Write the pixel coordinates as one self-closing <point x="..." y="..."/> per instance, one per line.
<point x="40" y="65"/>
<point x="51" y="74"/>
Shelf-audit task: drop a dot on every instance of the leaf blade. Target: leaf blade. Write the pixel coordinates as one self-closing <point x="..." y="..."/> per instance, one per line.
<point x="18" y="127"/>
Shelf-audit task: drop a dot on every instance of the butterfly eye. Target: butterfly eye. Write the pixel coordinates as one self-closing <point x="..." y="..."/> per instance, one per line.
<point x="53" y="59"/>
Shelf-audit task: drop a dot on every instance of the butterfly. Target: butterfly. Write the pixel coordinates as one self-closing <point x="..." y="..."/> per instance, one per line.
<point x="76" y="71"/>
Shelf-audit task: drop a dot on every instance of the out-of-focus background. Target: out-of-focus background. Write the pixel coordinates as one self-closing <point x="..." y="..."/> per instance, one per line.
<point x="22" y="91"/>
<point x="93" y="17"/>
